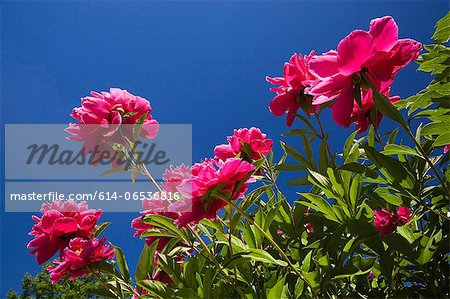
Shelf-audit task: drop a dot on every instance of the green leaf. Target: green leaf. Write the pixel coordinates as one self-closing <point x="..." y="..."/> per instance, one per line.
<point x="260" y="255"/>
<point x="299" y="182"/>
<point x="155" y="287"/>
<point x="313" y="279"/>
<point x="385" y="106"/>
<point x="357" y="95"/>
<point x="296" y="155"/>
<point x="101" y="292"/>
<point x="442" y="33"/>
<point x="277" y="292"/>
<point x="395" y="149"/>
<point x="166" y="223"/>
<point x="122" y="264"/>
<point x="145" y="263"/>
<point x="319" y="180"/>
<point x="100" y="228"/>
<point x="359" y="168"/>
<point x="384" y="193"/>
<point x="393" y="167"/>
<point x="436" y="128"/>
<point x="320" y="205"/>
<point x="428" y="251"/>
<point x="357" y="265"/>
<point x="442" y="139"/>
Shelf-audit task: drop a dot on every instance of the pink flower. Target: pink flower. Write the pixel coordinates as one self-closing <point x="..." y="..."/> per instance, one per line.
<point x="253" y="137"/>
<point x="174" y="176"/>
<point x="117" y="107"/>
<point x="362" y="117"/>
<point x="386" y="221"/>
<point x="210" y="181"/>
<point x="102" y="114"/>
<point x="60" y="222"/>
<point x="291" y="90"/>
<point x="77" y="256"/>
<point x="377" y="54"/>
<point x="383" y="222"/>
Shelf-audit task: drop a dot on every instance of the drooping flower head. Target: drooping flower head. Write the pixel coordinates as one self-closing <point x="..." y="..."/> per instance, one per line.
<point x="110" y="117"/>
<point x="116" y="107"/>
<point x="256" y="141"/>
<point x="291" y="88"/>
<point x="77" y="256"/>
<point x="376" y="54"/>
<point x="210" y="181"/>
<point x="60" y="221"/>
<point x="386" y="221"/>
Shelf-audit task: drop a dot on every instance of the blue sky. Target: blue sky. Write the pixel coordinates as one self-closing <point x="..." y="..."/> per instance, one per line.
<point x="201" y="63"/>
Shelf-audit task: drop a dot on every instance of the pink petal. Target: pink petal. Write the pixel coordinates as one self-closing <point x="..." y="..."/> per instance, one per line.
<point x="325" y="65"/>
<point x="281" y="103"/>
<point x="150" y="129"/>
<point x="354" y="50"/>
<point x="223" y="151"/>
<point x="342" y="109"/>
<point x="66" y="225"/>
<point x="384" y="32"/>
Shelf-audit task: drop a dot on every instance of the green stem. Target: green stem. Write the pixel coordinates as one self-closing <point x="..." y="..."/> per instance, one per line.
<point x="322" y="134"/>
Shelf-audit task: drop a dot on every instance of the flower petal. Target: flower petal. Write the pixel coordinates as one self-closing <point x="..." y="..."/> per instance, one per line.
<point x="354" y="50"/>
<point x="384" y="32"/>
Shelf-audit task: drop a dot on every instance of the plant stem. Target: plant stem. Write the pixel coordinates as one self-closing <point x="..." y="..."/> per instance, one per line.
<point x="322" y="134"/>
<point x="147" y="174"/>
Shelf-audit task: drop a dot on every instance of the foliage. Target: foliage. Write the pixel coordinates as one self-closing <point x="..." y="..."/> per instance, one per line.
<point x="325" y="244"/>
<point x="40" y="287"/>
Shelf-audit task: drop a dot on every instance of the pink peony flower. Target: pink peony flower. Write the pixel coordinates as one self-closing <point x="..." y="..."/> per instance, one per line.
<point x="77" y="256"/>
<point x="210" y="181"/>
<point x="116" y="107"/>
<point x="60" y="222"/>
<point x="383" y="222"/>
<point x="291" y="90"/>
<point x="386" y="221"/>
<point x="102" y="114"/>
<point x="378" y="53"/>
<point x="253" y="137"/>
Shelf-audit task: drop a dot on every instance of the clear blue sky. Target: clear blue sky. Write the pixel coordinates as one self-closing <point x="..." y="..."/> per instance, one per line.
<point x="202" y="63"/>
